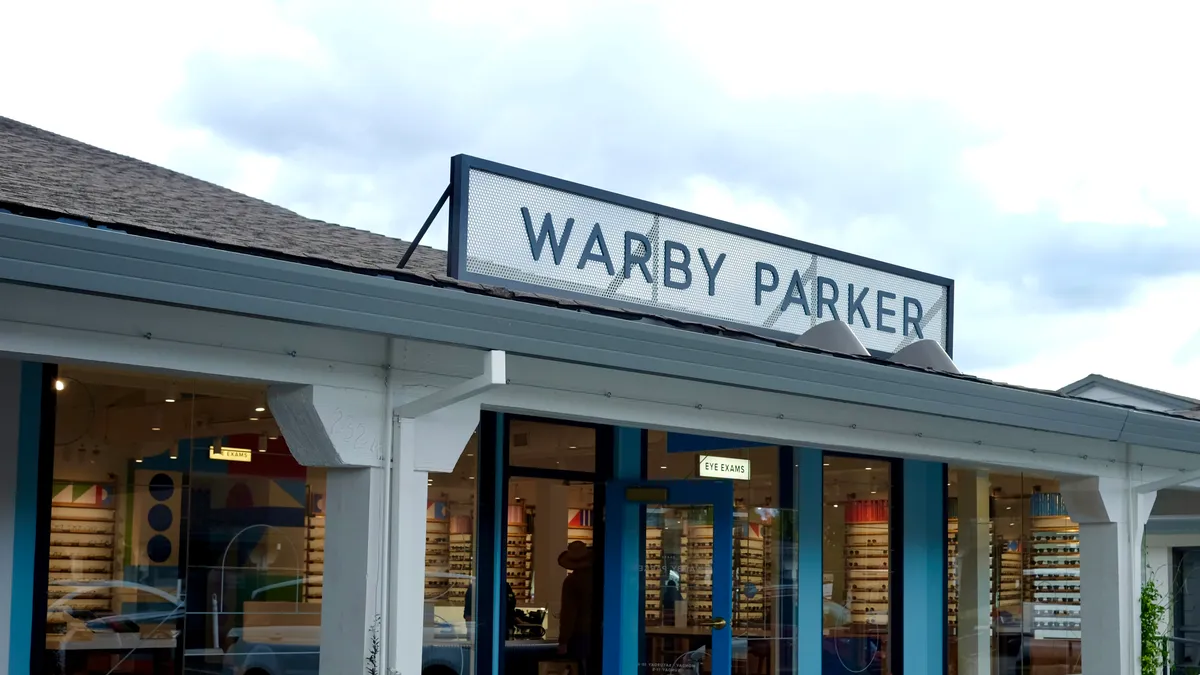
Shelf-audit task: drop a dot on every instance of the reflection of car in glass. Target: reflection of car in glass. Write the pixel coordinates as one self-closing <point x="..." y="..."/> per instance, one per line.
<point x="295" y="650"/>
<point x="75" y="628"/>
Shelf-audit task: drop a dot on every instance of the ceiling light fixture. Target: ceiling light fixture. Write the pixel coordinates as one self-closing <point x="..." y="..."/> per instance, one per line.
<point x="260" y="409"/>
<point x="59" y="385"/>
<point x="155" y="428"/>
<point x="867" y="469"/>
<point x="663" y="466"/>
<point x="825" y="464"/>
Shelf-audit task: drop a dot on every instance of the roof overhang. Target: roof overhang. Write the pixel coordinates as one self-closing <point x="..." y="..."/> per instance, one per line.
<point x="81" y="259"/>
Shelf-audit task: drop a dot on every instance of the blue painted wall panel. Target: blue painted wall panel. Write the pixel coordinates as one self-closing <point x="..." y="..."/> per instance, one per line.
<point x="924" y="566"/>
<point x="25" y="525"/>
<point x="809" y="506"/>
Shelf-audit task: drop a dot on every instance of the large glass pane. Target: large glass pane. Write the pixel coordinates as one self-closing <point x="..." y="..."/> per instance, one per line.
<point x="550" y="548"/>
<point x="544" y="445"/>
<point x="450" y="563"/>
<point x="764" y="547"/>
<point x="678" y="589"/>
<point x="1014" y="583"/>
<point x="857" y="565"/>
<point x="184" y="536"/>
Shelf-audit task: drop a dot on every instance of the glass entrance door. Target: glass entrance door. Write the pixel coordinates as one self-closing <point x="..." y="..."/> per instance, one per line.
<point x="669" y="580"/>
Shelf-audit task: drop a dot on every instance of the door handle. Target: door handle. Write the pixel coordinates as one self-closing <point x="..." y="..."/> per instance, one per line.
<point x="715" y="623"/>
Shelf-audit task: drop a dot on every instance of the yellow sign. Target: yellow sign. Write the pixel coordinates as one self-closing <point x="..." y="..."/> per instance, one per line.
<point x="229" y="454"/>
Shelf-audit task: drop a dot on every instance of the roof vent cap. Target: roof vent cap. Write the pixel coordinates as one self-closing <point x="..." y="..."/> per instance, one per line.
<point x="832" y="336"/>
<point x="926" y="354"/>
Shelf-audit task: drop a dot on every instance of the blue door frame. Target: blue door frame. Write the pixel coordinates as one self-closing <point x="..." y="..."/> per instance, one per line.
<point x="624" y="561"/>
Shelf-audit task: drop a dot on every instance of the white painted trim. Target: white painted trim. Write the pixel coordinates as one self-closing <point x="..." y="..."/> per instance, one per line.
<point x="493" y="376"/>
<point x="602" y="396"/>
<point x="64" y="327"/>
<point x="1169" y="482"/>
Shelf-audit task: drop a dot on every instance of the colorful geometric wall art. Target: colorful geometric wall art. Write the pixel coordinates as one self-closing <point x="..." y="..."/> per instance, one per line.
<point x="83" y="494"/>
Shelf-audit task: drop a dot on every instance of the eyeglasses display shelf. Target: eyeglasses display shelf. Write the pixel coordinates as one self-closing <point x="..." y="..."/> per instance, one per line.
<point x="461" y="557"/>
<point x="867" y="558"/>
<point x="1052" y="590"/>
<point x="952" y="568"/>
<point x="518" y="562"/>
<point x="748" y="574"/>
<point x="700" y="578"/>
<point x="81" y="554"/>
<point x="437" y="550"/>
<point x="314" y="557"/>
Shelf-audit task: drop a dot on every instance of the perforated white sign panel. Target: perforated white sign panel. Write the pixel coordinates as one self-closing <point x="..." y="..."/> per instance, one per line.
<point x="542" y="237"/>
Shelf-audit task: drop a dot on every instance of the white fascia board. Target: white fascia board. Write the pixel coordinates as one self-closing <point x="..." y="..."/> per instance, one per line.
<point x="606" y="396"/>
<point x="45" y="253"/>
<point x="66" y="327"/>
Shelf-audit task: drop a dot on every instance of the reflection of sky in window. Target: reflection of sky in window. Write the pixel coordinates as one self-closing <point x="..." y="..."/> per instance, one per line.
<point x="498" y="246"/>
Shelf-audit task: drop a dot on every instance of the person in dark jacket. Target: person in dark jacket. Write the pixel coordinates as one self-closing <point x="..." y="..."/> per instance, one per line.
<point x="575" y="617"/>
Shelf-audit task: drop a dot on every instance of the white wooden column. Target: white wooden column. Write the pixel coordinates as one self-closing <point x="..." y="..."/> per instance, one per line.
<point x="974" y="574"/>
<point x="431" y="428"/>
<point x="351" y="607"/>
<point x="1112" y="519"/>
<point x="344" y="430"/>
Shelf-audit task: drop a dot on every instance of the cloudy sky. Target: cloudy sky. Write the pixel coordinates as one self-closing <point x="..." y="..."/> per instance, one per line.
<point x="1044" y="156"/>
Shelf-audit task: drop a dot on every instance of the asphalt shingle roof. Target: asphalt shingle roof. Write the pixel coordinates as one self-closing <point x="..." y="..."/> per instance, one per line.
<point x="45" y="171"/>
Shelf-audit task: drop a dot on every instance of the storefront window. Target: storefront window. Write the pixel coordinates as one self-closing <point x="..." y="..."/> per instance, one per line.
<point x="450" y="562"/>
<point x="550" y="545"/>
<point x="183" y="535"/>
<point x="858" y="550"/>
<point x="679" y="559"/>
<point x="1013" y="583"/>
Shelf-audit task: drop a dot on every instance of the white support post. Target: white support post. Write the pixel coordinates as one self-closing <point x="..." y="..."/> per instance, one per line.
<point x="406" y="597"/>
<point x="974" y="574"/>
<point x="431" y="430"/>
<point x="1112" y="517"/>
<point x="351" y="614"/>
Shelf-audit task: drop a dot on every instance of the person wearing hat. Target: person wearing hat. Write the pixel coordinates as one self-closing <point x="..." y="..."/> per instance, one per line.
<point x="575" y="617"/>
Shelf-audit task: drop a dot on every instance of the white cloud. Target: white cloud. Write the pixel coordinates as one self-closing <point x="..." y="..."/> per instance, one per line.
<point x="1083" y="118"/>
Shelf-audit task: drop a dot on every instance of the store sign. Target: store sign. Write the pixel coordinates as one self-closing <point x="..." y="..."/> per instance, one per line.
<point x="529" y="232"/>
<point x="229" y="454"/>
<point x="724" y="467"/>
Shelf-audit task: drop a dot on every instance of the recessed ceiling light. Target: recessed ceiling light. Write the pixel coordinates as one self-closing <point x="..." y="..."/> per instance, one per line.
<point x="253" y="419"/>
<point x="260" y="409"/>
<point x="1008" y="508"/>
<point x="872" y="492"/>
<point x="470" y="454"/>
<point x="826" y="464"/>
<point x="59" y="385"/>
<point x="138" y="460"/>
<point x="571" y="447"/>
<point x="155" y="428"/>
<point x="471" y="477"/>
<point x="835" y="506"/>
<point x="663" y="466"/>
<point x="867" y="469"/>
<point x="169" y="400"/>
